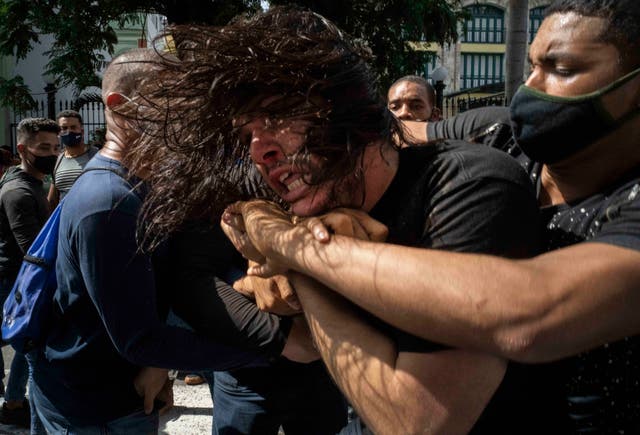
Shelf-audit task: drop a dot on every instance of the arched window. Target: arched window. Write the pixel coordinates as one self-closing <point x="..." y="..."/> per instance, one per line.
<point x="486" y="25"/>
<point x="480" y="69"/>
<point x="536" y="15"/>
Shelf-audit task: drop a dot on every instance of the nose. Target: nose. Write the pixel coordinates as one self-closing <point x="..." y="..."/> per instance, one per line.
<point x="264" y="148"/>
<point x="536" y="79"/>
<point x="404" y="113"/>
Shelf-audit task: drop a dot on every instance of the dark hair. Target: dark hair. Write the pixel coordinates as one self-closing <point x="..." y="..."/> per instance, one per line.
<point x="420" y="81"/>
<point x="623" y="24"/>
<point x="69" y="114"/>
<point x="224" y="72"/>
<point x="28" y="128"/>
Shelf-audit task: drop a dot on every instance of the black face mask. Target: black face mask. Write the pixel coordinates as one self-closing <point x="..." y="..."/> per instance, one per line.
<point x="44" y="164"/>
<point x="71" y="139"/>
<point x="549" y="128"/>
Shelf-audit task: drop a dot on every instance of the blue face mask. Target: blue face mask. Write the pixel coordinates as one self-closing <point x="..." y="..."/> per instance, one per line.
<point x="550" y="129"/>
<point x="71" y="139"/>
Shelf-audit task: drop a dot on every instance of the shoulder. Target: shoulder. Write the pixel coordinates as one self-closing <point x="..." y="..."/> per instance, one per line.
<point x="100" y="189"/>
<point x="465" y="162"/>
<point x="17" y="190"/>
<point x="618" y="220"/>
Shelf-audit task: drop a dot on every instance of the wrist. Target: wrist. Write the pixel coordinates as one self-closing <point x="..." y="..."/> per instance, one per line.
<point x="289" y="250"/>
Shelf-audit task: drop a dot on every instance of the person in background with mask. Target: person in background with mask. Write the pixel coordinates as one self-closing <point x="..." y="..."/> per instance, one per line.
<point x="576" y="130"/>
<point x="23" y="211"/>
<point x="73" y="158"/>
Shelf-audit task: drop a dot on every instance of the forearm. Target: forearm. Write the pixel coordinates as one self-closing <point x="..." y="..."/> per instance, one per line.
<point x="396" y="392"/>
<point x="216" y="310"/>
<point x="522" y="310"/>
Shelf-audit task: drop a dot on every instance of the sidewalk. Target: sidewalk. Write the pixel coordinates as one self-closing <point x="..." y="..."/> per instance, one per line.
<point x="191" y="414"/>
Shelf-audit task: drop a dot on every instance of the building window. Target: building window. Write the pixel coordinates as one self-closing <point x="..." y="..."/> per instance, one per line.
<point x="430" y="64"/>
<point x="536" y="15"/>
<point x="486" y="25"/>
<point x="481" y="69"/>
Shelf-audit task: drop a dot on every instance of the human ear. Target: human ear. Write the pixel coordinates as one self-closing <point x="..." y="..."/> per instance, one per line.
<point x="115" y="99"/>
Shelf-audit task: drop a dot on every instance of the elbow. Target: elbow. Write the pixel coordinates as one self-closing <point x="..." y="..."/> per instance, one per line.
<point x="519" y="344"/>
<point x="522" y="327"/>
<point x="410" y="411"/>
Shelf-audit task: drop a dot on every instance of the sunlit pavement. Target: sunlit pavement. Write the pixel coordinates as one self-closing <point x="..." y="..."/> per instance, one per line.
<point x="191" y="414"/>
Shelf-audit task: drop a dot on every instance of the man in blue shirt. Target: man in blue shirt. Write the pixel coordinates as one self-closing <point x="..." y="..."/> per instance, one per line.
<point x="106" y="308"/>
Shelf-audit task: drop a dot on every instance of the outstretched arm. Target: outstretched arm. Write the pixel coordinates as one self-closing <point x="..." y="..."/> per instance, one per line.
<point x="554" y="305"/>
<point x="545" y="308"/>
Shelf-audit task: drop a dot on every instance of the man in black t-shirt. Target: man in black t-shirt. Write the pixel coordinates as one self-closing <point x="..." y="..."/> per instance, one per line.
<point x="453" y="196"/>
<point x="577" y="128"/>
<point x="23" y="211"/>
<point x="251" y="400"/>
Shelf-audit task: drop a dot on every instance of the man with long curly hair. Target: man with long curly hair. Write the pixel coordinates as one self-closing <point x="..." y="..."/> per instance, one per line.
<point x="293" y="94"/>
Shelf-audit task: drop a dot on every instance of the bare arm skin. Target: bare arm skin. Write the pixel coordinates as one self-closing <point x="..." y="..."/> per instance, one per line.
<point x="394" y="392"/>
<point x="554" y="305"/>
<point x="53" y="196"/>
<point x="442" y="392"/>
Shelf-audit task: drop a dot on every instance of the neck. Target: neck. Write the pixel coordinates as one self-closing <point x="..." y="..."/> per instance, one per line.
<point x="29" y="169"/>
<point x="380" y="163"/>
<point x="75" y="151"/>
<point x="592" y="169"/>
<point x="112" y="150"/>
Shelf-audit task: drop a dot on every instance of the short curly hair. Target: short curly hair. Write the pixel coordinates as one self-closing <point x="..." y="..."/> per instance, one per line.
<point x="28" y="128"/>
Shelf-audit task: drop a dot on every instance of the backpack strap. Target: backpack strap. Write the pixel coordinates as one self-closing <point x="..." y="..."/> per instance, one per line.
<point x="115" y="171"/>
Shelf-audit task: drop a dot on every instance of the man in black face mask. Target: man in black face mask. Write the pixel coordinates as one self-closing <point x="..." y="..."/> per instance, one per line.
<point x="576" y="129"/>
<point x="23" y="211"/>
<point x="74" y="156"/>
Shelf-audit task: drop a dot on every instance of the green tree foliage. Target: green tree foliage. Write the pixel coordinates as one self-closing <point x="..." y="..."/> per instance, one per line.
<point x="83" y="30"/>
<point x="389" y="25"/>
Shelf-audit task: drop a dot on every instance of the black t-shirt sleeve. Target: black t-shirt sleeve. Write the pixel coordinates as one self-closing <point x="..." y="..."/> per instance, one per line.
<point x="470" y="125"/>
<point x="485" y="215"/>
<point x="621" y="227"/>
<point x="202" y="257"/>
<point x="22" y="212"/>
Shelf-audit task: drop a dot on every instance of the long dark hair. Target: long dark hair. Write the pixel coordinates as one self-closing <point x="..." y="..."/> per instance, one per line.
<point x="213" y="75"/>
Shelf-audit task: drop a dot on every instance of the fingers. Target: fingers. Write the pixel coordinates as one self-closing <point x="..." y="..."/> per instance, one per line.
<point x="245" y="286"/>
<point x="148" y="402"/>
<point x="318" y="229"/>
<point x="374" y="230"/>
<point x="265" y="270"/>
<point x="166" y="395"/>
<point x="283" y="287"/>
<point x="241" y="242"/>
<point x="233" y="216"/>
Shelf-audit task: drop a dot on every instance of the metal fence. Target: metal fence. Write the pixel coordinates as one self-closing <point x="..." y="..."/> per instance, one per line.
<point x="464" y="100"/>
<point x="92" y="113"/>
<point x="462" y="103"/>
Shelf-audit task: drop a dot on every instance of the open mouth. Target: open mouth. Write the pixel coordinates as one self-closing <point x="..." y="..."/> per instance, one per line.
<point x="291" y="181"/>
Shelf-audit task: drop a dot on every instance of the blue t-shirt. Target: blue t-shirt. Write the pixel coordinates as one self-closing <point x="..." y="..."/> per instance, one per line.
<point x="106" y="323"/>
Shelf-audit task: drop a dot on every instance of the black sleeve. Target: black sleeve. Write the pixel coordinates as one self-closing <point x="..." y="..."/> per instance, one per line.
<point x="21" y="208"/>
<point x="621" y="225"/>
<point x="202" y="256"/>
<point x="482" y="125"/>
<point x="486" y="215"/>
